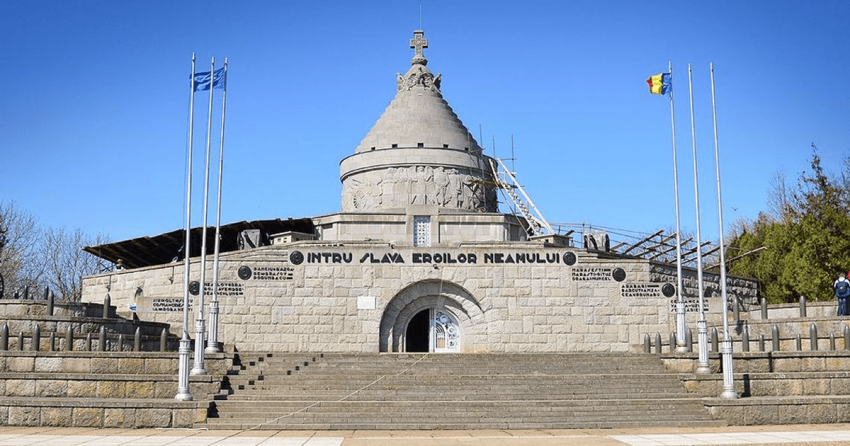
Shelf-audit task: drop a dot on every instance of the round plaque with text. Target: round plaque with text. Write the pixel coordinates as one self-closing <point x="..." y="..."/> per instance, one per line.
<point x="244" y="272"/>
<point x="194" y="287"/>
<point x="570" y="259"/>
<point x="619" y="274"/>
<point x="296" y="258"/>
<point x="668" y="290"/>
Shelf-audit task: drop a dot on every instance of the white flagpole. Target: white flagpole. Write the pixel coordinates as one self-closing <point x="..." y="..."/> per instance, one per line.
<point x="702" y="325"/>
<point x="198" y="368"/>
<point x="726" y="349"/>
<point x="212" y="340"/>
<point x="680" y="303"/>
<point x="183" y="391"/>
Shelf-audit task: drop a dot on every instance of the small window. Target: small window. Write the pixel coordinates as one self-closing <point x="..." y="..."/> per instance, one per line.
<point x="373" y="148"/>
<point x="420" y="144"/>
<point x="445" y="146"/>
<point x="395" y="146"/>
<point x="422" y="230"/>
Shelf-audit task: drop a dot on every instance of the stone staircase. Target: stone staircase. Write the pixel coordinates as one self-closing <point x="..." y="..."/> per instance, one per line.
<point x="468" y="391"/>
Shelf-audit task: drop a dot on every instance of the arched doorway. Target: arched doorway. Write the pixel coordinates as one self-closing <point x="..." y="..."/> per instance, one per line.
<point x="432" y="330"/>
<point x="432" y="316"/>
<point x="417" y="337"/>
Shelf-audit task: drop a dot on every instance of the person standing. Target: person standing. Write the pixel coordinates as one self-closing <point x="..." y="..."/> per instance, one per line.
<point x="842" y="295"/>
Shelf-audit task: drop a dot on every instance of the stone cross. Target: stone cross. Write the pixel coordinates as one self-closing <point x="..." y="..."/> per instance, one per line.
<point x="418" y="43"/>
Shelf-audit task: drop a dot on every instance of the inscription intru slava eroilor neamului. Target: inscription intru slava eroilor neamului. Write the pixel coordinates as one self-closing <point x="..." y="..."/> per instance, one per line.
<point x="462" y="258"/>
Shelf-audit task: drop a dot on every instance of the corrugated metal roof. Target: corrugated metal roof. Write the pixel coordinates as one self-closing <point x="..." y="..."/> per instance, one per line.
<point x="168" y="247"/>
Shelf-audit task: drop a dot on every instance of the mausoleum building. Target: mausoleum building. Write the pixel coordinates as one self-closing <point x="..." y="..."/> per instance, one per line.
<point x="419" y="258"/>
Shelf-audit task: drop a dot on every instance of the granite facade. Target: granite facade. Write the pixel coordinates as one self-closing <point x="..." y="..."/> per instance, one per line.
<point x="362" y="297"/>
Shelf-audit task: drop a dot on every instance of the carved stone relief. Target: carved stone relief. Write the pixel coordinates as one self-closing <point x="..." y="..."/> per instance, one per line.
<point x="398" y="187"/>
<point x="419" y="76"/>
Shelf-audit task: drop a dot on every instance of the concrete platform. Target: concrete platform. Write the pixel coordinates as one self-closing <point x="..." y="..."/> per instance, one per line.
<point x="821" y="435"/>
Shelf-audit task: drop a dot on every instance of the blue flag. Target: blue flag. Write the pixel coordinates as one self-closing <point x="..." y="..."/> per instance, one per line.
<point x="202" y="80"/>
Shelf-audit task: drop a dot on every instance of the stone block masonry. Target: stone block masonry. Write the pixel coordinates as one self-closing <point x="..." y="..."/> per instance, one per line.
<point x="103" y="389"/>
<point x="361" y="297"/>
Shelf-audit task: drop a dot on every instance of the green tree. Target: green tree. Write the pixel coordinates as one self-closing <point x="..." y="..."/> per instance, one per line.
<point x="805" y="245"/>
<point x="761" y="250"/>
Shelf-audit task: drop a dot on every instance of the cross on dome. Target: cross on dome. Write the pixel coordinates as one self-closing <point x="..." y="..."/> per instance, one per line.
<point x="418" y="43"/>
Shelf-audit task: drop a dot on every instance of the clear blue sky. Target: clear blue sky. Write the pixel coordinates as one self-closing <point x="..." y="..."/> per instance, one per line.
<point x="94" y="109"/>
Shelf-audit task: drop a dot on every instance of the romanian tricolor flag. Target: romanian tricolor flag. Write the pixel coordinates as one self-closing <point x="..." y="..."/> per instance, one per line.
<point x="659" y="83"/>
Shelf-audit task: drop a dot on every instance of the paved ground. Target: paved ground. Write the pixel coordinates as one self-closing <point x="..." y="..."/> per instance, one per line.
<point x="820" y="435"/>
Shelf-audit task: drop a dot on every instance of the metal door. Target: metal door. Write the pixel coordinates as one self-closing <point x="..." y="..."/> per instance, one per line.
<point x="445" y="333"/>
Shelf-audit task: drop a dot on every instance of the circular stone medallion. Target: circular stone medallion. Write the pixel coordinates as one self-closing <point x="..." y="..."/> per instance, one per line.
<point x="619" y="274"/>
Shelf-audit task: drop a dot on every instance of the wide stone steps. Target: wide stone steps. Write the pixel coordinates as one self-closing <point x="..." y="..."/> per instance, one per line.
<point x="479" y="391"/>
<point x="459" y="415"/>
<point x="390" y="389"/>
<point x="524" y="420"/>
<point x="274" y="409"/>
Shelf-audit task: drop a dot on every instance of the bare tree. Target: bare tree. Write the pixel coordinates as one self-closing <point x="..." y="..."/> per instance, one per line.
<point x="779" y="198"/>
<point x="66" y="262"/>
<point x="20" y="265"/>
<point x="35" y="258"/>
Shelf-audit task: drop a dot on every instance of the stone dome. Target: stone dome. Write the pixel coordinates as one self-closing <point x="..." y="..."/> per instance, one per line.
<point x="418" y="152"/>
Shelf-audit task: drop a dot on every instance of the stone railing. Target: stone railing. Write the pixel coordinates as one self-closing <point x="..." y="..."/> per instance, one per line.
<point x="34" y="340"/>
<point x="42" y="325"/>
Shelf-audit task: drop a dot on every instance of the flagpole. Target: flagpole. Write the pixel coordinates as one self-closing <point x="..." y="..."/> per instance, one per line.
<point x="212" y="340"/>
<point x="680" y="303"/>
<point x="726" y="349"/>
<point x="183" y="391"/>
<point x="703" y="366"/>
<point x="198" y="368"/>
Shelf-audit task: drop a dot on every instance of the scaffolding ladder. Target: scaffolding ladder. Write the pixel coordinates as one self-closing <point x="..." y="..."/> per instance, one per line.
<point x="506" y="182"/>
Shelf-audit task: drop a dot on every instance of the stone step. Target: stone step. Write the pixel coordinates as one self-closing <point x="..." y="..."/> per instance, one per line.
<point x="416" y="396"/>
<point x="427" y="363"/>
<point x="506" y="389"/>
<point x="528" y="418"/>
<point x="459" y="380"/>
<point x="477" y="416"/>
<point x="426" y="425"/>
<point x="455" y="408"/>
<point x="365" y="391"/>
<point x="365" y="359"/>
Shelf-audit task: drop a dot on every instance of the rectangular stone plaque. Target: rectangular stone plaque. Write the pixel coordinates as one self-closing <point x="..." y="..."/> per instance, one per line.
<point x="366" y="302"/>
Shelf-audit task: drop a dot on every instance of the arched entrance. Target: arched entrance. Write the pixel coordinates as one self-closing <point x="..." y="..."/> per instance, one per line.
<point x="432" y="316"/>
<point x="417" y="336"/>
<point x="432" y="330"/>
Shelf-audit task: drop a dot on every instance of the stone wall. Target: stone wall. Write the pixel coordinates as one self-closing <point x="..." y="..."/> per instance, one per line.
<point x="75" y="326"/>
<point x="787" y="387"/>
<point x="506" y="297"/>
<point x="446" y="227"/>
<point x="104" y="389"/>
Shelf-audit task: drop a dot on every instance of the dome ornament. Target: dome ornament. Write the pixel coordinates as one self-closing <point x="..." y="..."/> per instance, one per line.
<point x="418" y="75"/>
<point x="418" y="43"/>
